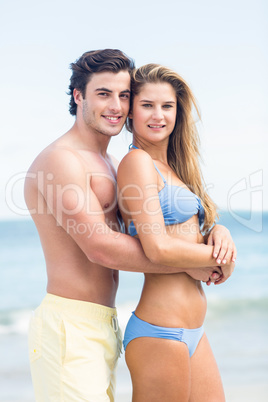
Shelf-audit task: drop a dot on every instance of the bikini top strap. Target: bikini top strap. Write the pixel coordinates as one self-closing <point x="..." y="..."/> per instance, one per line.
<point x="132" y="146"/>
<point x="158" y="171"/>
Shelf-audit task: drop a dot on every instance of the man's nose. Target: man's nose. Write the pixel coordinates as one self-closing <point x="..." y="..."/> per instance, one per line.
<point x="115" y="105"/>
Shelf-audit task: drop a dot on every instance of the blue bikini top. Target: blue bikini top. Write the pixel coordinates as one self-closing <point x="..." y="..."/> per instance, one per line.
<point x="178" y="204"/>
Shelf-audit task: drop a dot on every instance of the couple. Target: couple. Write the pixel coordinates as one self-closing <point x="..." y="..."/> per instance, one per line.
<point x="71" y="191"/>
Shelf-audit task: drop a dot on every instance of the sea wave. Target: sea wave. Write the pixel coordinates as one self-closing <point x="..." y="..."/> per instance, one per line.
<point x="14" y="321"/>
<point x="237" y="306"/>
<point x="17" y="321"/>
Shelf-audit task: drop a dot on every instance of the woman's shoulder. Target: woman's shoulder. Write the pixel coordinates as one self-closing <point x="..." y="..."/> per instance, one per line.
<point x="135" y="156"/>
<point x="136" y="164"/>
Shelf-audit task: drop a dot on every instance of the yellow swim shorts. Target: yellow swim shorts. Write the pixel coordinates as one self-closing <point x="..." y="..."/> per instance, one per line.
<point x="74" y="347"/>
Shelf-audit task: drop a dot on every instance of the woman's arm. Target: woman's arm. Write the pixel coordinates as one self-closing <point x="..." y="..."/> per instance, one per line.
<point x="138" y="194"/>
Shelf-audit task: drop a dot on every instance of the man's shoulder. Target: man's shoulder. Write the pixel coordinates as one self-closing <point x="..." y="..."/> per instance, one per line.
<point x="54" y="154"/>
<point x="58" y="161"/>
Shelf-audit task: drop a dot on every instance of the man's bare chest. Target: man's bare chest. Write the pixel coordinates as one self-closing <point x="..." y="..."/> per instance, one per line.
<point x="101" y="181"/>
<point x="103" y="185"/>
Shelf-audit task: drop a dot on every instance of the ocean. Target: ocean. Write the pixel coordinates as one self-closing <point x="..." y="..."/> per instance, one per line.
<point x="236" y="322"/>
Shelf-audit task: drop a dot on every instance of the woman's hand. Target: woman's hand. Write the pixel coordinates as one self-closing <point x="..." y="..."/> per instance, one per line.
<point x="224" y="248"/>
<point x="227" y="270"/>
<point x="216" y="276"/>
<point x="208" y="275"/>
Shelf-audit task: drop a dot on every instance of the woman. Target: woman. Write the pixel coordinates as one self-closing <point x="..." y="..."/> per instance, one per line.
<point x="164" y="203"/>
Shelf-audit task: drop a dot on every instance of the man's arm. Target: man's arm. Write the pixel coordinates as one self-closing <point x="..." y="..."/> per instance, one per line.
<point x="74" y="203"/>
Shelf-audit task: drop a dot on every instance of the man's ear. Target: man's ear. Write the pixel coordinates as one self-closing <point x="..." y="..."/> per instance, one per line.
<point x="130" y="116"/>
<point x="77" y="96"/>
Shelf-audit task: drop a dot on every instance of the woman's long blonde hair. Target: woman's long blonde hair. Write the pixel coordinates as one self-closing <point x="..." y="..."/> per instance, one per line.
<point x="183" y="148"/>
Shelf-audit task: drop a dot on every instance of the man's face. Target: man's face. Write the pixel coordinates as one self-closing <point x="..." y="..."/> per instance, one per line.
<point x="106" y="103"/>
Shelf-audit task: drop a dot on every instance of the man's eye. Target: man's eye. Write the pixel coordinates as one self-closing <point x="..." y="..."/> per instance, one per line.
<point x="103" y="93"/>
<point x="124" y="96"/>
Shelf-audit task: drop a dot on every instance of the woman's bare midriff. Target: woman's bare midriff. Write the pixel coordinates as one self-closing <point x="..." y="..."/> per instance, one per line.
<point x="174" y="300"/>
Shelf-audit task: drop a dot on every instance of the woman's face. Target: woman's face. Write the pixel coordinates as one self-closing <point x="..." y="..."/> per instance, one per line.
<point x="154" y="112"/>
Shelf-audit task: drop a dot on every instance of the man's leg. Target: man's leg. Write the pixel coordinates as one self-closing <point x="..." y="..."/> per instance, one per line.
<point x="74" y="348"/>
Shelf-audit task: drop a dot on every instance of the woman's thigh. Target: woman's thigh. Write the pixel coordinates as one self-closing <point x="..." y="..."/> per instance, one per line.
<point x="206" y="384"/>
<point x="160" y="370"/>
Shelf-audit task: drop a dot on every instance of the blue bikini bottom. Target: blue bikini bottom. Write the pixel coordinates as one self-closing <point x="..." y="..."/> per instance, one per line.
<point x="137" y="328"/>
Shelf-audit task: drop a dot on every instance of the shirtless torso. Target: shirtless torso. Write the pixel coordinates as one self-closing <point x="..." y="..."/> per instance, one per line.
<point x="70" y="273"/>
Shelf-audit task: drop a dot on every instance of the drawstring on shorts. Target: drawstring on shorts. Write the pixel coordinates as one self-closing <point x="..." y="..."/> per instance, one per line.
<point x="115" y="323"/>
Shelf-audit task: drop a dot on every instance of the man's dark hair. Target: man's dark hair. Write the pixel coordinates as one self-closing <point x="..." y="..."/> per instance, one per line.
<point x="95" y="61"/>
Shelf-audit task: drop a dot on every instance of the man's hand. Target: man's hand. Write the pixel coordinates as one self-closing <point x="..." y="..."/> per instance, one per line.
<point x="224" y="248"/>
<point x="208" y="275"/>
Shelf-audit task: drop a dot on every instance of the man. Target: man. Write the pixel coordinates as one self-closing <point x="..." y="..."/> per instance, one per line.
<point x="70" y="190"/>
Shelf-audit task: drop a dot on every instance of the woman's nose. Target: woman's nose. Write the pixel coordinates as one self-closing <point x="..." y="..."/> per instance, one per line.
<point x="157" y="114"/>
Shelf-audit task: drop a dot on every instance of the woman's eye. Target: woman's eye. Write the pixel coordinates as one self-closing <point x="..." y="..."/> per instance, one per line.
<point x="146" y="105"/>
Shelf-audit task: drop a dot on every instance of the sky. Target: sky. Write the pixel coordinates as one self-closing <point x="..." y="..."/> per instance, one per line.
<point x="219" y="48"/>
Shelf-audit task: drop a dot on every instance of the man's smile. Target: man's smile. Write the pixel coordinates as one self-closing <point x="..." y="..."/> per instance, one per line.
<point x="113" y="119"/>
